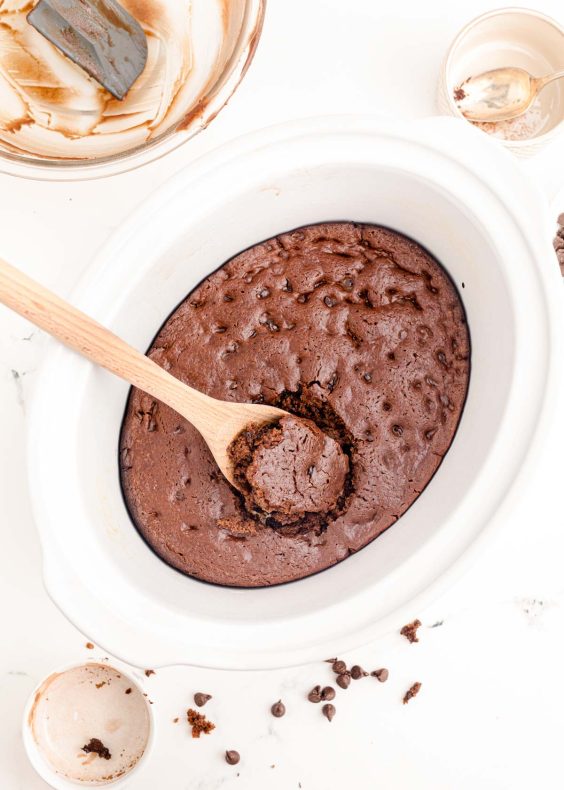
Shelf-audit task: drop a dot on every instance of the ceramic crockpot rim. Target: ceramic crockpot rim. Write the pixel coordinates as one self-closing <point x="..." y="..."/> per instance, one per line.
<point x="298" y="655"/>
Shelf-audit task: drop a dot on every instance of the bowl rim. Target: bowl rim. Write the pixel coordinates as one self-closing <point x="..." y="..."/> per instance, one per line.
<point x="515" y="144"/>
<point x="201" y="115"/>
<point x="437" y="134"/>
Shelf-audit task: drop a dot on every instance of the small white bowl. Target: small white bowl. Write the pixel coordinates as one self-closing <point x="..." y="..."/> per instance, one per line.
<point x="510" y="37"/>
<point x="40" y="762"/>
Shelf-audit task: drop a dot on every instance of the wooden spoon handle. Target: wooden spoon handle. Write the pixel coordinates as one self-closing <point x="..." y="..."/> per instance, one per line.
<point x="81" y="333"/>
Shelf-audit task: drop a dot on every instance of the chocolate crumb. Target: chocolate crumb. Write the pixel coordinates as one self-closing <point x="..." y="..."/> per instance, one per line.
<point x="89" y="646"/>
<point x="149" y="672"/>
<point x="380" y="674"/>
<point x="200" y="699"/>
<point x="278" y="709"/>
<point x="329" y="711"/>
<point x="330" y="660"/>
<point x="410" y="631"/>
<point x="315" y="694"/>
<point x="339" y="667"/>
<point x="199" y="723"/>
<point x="176" y="720"/>
<point x="99" y="685"/>
<point x="411" y="692"/>
<point x="459" y="94"/>
<point x="232" y="757"/>
<point x="96" y="746"/>
<point x="358" y="672"/>
<point x="128" y="691"/>
<point x="328" y="693"/>
<point x="344" y="680"/>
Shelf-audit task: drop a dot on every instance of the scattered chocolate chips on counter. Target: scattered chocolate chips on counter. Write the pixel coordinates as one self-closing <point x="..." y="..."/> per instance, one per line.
<point x="200" y="699"/>
<point x="559" y="242"/>
<point x="149" y="672"/>
<point x="232" y="757"/>
<point x="329" y="711"/>
<point x="358" y="672"/>
<point x="327" y="693"/>
<point x="344" y="680"/>
<point x="339" y="667"/>
<point x="411" y="692"/>
<point x="410" y="631"/>
<point x="199" y="723"/>
<point x="381" y="674"/>
<point x="96" y="746"/>
<point x="278" y="709"/>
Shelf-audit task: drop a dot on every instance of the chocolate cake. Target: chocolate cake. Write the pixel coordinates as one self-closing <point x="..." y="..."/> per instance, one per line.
<point x="354" y="328"/>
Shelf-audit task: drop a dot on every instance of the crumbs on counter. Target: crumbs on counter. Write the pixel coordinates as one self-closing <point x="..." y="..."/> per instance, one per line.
<point x="410" y="631"/>
<point x="149" y="672"/>
<point x="199" y="723"/>
<point x="89" y="646"/>
<point x="411" y="692"/>
<point x="96" y="746"/>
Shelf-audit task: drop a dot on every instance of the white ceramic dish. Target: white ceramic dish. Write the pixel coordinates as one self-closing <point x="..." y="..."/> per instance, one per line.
<point x="438" y="181"/>
<point x="43" y="767"/>
<point x="510" y="37"/>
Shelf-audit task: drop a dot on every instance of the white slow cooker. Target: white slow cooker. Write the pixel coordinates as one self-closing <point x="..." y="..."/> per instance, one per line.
<point x="438" y="181"/>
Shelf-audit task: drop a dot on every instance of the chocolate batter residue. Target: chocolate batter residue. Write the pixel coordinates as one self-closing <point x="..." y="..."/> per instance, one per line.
<point x="354" y="327"/>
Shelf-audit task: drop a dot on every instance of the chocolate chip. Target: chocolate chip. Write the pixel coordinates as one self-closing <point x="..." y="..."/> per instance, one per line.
<point x="358" y="672"/>
<point x="367" y="377"/>
<point x="227" y="298"/>
<point x="380" y="674"/>
<point x="201" y="699"/>
<point x="328" y="693"/>
<point x="232" y="757"/>
<point x="278" y="709"/>
<point x="441" y="356"/>
<point x="347" y="283"/>
<point x="315" y="694"/>
<point x="329" y="301"/>
<point x="264" y="293"/>
<point x="287" y="286"/>
<point x="344" y="680"/>
<point x="128" y="691"/>
<point x="387" y="406"/>
<point x="339" y="667"/>
<point x="302" y="298"/>
<point x="397" y="430"/>
<point x="329" y="711"/>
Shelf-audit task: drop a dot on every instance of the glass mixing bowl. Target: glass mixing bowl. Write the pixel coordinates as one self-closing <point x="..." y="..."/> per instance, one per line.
<point x="58" y="124"/>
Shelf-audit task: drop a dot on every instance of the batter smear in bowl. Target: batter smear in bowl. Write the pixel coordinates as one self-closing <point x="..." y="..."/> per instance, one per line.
<point x="354" y="328"/>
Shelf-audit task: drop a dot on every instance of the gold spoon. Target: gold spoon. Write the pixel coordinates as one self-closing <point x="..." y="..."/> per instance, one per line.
<point x="219" y="422"/>
<point x="500" y="95"/>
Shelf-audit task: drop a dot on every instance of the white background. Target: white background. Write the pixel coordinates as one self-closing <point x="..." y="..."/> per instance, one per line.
<point x="490" y="711"/>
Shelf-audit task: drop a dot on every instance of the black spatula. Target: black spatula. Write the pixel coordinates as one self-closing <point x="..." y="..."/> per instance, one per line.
<point x="98" y="35"/>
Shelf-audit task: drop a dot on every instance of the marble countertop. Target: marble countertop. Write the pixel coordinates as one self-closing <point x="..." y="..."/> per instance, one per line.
<point x="490" y="652"/>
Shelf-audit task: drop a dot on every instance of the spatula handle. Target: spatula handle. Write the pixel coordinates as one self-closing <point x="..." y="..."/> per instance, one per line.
<point x="93" y="341"/>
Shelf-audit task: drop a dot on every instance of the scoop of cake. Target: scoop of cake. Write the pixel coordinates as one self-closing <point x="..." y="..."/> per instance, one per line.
<point x="289" y="468"/>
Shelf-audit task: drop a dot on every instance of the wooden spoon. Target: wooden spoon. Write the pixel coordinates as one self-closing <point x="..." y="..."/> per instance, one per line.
<point x="219" y="422"/>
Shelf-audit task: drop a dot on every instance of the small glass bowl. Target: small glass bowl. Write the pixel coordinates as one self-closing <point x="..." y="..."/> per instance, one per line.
<point x="510" y="37"/>
<point x="204" y="110"/>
